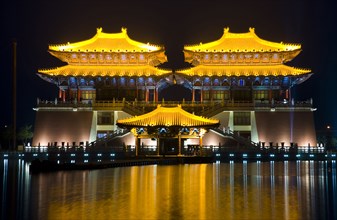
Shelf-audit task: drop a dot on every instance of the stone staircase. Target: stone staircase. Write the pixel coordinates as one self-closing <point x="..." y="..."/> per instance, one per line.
<point x="100" y="142"/>
<point x="240" y="139"/>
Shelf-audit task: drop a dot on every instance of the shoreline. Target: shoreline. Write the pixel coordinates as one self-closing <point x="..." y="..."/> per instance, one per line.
<point x="56" y="161"/>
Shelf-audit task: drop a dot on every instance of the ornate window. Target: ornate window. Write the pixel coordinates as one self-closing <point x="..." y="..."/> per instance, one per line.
<point x="265" y="58"/>
<point x="141" y="58"/>
<point x="225" y="58"/>
<point x="207" y="56"/>
<point x="84" y="57"/>
<point x="115" y="58"/>
<point x="88" y="94"/>
<point x="233" y="57"/>
<point x="275" y="57"/>
<point x="108" y="57"/>
<point x="132" y="58"/>
<point x="123" y="57"/>
<point x="241" y="58"/>
<point x="218" y="95"/>
<point x="241" y="82"/>
<point x="101" y="58"/>
<point x="261" y="95"/>
<point x="216" y="58"/>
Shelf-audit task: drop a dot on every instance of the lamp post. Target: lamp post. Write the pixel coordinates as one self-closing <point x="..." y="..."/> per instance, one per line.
<point x="14" y="95"/>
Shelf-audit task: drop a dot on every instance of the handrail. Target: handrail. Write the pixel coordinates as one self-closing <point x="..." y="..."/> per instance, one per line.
<point x="238" y="138"/>
<point x="108" y="137"/>
<point x="207" y="105"/>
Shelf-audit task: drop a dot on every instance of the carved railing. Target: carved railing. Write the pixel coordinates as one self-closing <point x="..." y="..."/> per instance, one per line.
<point x="205" y="108"/>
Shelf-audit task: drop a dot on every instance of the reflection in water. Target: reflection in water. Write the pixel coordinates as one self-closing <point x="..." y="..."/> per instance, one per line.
<point x="259" y="190"/>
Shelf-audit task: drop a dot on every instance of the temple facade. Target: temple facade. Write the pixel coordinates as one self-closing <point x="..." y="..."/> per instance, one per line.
<point x="240" y="81"/>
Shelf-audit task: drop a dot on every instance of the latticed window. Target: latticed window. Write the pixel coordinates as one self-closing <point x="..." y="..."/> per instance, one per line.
<point x="261" y="94"/>
<point x="241" y="118"/>
<point x="88" y="94"/>
<point x="218" y="95"/>
<point x="205" y="94"/>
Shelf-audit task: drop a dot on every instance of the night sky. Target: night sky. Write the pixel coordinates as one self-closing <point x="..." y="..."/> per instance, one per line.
<point x="36" y="24"/>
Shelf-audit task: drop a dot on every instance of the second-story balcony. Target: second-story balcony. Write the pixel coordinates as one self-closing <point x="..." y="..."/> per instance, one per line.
<point x="205" y="108"/>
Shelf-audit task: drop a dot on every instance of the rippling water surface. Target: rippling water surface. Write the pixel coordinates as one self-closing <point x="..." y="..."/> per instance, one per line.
<point x="245" y="190"/>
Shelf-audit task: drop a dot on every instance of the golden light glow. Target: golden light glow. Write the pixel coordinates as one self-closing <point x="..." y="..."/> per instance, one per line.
<point x="240" y="70"/>
<point x="117" y="42"/>
<point x="105" y="70"/>
<point x="241" y="42"/>
<point x="174" y="116"/>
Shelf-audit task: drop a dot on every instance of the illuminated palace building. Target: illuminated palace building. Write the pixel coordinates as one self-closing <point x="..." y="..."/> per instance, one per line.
<point x="240" y="95"/>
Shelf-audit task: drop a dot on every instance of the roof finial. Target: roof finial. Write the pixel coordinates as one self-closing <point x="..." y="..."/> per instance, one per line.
<point x="226" y="30"/>
<point x="252" y="30"/>
<point x="124" y="30"/>
<point x="99" y="30"/>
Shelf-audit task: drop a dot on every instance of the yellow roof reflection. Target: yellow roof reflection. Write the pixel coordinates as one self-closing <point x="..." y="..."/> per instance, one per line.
<point x="241" y="42"/>
<point x="113" y="42"/>
<point x="167" y="117"/>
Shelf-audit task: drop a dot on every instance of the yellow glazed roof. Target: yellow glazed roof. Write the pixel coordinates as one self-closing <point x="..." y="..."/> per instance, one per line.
<point x="241" y="70"/>
<point x="113" y="70"/>
<point x="241" y="42"/>
<point x="114" y="42"/>
<point x="166" y="117"/>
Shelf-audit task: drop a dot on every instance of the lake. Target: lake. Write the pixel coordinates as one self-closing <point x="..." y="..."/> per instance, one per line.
<point x="233" y="190"/>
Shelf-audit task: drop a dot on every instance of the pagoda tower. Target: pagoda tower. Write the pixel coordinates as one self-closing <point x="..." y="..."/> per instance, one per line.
<point x="242" y="67"/>
<point x="105" y="67"/>
<point x="102" y="76"/>
<point x="247" y="85"/>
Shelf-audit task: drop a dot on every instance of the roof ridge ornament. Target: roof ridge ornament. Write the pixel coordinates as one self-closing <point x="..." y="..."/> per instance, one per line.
<point x="252" y="30"/>
<point x="226" y="30"/>
<point x="124" y="30"/>
<point x="99" y="30"/>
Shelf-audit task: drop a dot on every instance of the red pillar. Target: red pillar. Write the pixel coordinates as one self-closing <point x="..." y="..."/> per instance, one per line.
<point x="146" y="95"/>
<point x="78" y="95"/>
<point x="157" y="95"/>
<point x="287" y="94"/>
<point x="60" y="94"/>
<point x="211" y="94"/>
<point x="63" y="96"/>
<point x="193" y="95"/>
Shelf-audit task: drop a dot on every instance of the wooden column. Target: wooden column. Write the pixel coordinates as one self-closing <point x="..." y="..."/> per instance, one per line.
<point x="157" y="95"/>
<point x="60" y="94"/>
<point x="193" y="95"/>
<point x="201" y="95"/>
<point x="200" y="144"/>
<point x="78" y="95"/>
<point x="63" y="96"/>
<point x="179" y="144"/>
<point x="146" y="95"/>
<point x="154" y="94"/>
<point x="136" y="145"/>
<point x="137" y="93"/>
<point x="158" y="146"/>
<point x="211" y="94"/>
